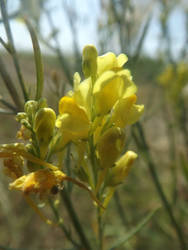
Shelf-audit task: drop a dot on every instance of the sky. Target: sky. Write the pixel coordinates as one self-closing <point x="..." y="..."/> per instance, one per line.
<point x="89" y="11"/>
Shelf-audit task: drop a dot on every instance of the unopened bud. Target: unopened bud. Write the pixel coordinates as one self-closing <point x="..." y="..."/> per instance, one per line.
<point x="20" y="116"/>
<point x="89" y="61"/>
<point x="110" y="146"/>
<point x="118" y="173"/>
<point x="44" y="124"/>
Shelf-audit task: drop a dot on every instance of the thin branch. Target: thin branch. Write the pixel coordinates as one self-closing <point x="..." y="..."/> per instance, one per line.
<point x="152" y="168"/>
<point x="6" y="112"/>
<point x="8" y="105"/>
<point x="75" y="220"/>
<point x="13" y="50"/>
<point x="61" y="225"/>
<point x="10" y="85"/>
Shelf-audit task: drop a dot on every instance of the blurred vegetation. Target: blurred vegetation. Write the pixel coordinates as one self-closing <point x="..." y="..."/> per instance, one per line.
<point x="159" y="178"/>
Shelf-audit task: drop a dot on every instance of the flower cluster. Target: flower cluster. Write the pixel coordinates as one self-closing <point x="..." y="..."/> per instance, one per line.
<point x="174" y="79"/>
<point x="92" y="119"/>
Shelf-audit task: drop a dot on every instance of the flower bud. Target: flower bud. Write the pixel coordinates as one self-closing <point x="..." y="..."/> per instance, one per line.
<point x="89" y="61"/>
<point x="20" y="116"/>
<point x="110" y="146"/>
<point x="31" y="107"/>
<point x="44" y="123"/>
<point x="118" y="173"/>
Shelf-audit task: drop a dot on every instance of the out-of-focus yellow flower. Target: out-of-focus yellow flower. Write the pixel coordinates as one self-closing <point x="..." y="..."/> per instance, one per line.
<point x="173" y="79"/>
<point x="13" y="166"/>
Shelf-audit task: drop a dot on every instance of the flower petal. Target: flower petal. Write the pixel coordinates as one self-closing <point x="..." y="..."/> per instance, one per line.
<point x="107" y="90"/>
<point x="73" y="119"/>
<point x="82" y="95"/>
<point x="40" y="181"/>
<point x="106" y="62"/>
<point x="121" y="60"/>
<point x="126" y="112"/>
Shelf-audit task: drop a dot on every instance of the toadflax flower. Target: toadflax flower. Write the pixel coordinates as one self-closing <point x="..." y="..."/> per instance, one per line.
<point x="97" y="112"/>
<point x="93" y="117"/>
<point x="107" y="95"/>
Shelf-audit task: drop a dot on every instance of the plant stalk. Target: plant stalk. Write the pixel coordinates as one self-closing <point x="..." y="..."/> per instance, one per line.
<point x="75" y="220"/>
<point x="152" y="168"/>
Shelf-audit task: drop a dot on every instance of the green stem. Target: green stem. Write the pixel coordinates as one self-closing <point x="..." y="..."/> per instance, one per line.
<point x="182" y="119"/>
<point x="120" y="210"/>
<point x="172" y="149"/>
<point x="75" y="219"/>
<point x="61" y="225"/>
<point x="8" y="105"/>
<point x="152" y="168"/>
<point x="12" y="47"/>
<point x="100" y="229"/>
<point x="10" y="86"/>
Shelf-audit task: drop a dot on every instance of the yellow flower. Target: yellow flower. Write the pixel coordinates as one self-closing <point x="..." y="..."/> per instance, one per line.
<point x="72" y="121"/>
<point x="118" y="173"/>
<point x="173" y="79"/>
<point x="106" y="95"/>
<point x="39" y="182"/>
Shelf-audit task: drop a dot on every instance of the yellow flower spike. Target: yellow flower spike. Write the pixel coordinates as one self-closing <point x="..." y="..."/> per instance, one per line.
<point x="44" y="123"/>
<point x="110" y="146"/>
<point x="89" y="61"/>
<point x="118" y="173"/>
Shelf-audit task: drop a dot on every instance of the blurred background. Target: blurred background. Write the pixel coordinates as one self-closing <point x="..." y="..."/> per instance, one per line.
<point x="154" y="35"/>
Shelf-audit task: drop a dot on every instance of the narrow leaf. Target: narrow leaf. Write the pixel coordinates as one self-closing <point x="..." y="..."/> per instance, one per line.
<point x="6" y="112"/>
<point x="135" y="230"/>
<point x="38" y="60"/>
<point x="142" y="38"/>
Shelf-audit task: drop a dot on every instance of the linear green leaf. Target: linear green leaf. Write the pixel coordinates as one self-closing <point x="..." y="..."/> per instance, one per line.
<point x="134" y="230"/>
<point x="38" y="60"/>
